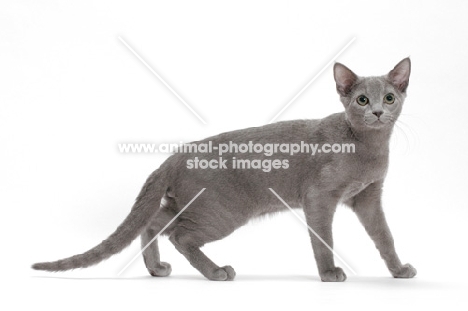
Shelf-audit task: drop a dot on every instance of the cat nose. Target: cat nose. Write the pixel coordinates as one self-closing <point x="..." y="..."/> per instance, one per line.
<point x="377" y="113"/>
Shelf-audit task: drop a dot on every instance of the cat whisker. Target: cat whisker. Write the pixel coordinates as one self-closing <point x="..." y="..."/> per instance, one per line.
<point x="414" y="136"/>
<point x="402" y="131"/>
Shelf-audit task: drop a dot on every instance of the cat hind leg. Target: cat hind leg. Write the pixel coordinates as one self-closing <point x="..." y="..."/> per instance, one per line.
<point x="151" y="256"/>
<point x="149" y="243"/>
<point x="189" y="246"/>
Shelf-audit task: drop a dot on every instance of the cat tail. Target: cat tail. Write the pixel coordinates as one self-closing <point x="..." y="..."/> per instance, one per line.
<point x="146" y="205"/>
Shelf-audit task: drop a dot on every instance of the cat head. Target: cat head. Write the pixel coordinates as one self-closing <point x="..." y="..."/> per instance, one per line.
<point x="373" y="102"/>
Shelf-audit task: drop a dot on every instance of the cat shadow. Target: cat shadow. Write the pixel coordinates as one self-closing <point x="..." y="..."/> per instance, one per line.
<point x="384" y="282"/>
<point x="190" y="277"/>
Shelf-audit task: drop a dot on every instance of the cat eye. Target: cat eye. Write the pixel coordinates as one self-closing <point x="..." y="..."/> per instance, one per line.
<point x="389" y="98"/>
<point x="362" y="100"/>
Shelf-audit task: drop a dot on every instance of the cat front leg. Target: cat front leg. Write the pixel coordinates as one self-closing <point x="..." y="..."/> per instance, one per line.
<point x="368" y="207"/>
<point x="319" y="211"/>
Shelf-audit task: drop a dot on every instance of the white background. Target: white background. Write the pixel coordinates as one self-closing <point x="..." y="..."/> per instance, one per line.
<point x="70" y="91"/>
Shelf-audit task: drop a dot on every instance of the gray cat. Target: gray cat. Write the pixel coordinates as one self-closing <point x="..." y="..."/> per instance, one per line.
<point x="232" y="197"/>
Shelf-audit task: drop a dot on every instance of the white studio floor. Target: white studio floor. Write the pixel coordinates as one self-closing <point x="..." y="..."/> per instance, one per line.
<point x="277" y="292"/>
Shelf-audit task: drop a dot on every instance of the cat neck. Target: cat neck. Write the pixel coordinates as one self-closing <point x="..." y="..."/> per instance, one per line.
<point x="371" y="136"/>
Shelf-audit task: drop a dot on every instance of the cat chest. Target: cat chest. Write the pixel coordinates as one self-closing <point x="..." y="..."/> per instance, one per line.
<point x="368" y="169"/>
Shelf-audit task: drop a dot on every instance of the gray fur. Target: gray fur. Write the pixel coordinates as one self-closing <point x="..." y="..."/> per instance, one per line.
<point x="234" y="196"/>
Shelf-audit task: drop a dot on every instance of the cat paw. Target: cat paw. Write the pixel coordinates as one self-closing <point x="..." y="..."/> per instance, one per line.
<point x="225" y="273"/>
<point x="335" y="275"/>
<point x="161" y="270"/>
<point x="404" y="272"/>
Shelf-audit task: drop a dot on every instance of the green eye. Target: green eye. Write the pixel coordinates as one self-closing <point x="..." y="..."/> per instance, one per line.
<point x="362" y="100"/>
<point x="389" y="98"/>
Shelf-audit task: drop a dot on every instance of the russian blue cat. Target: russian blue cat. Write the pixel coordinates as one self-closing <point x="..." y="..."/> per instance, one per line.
<point x="233" y="196"/>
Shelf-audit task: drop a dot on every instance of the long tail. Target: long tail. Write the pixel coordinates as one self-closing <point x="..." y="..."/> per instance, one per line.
<point x="146" y="205"/>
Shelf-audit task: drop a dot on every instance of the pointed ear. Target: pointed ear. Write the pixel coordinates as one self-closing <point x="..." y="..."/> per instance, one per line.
<point x="345" y="79"/>
<point x="399" y="76"/>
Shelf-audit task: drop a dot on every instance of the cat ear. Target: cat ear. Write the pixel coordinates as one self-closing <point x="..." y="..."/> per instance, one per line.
<point x="399" y="76"/>
<point x="345" y="79"/>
